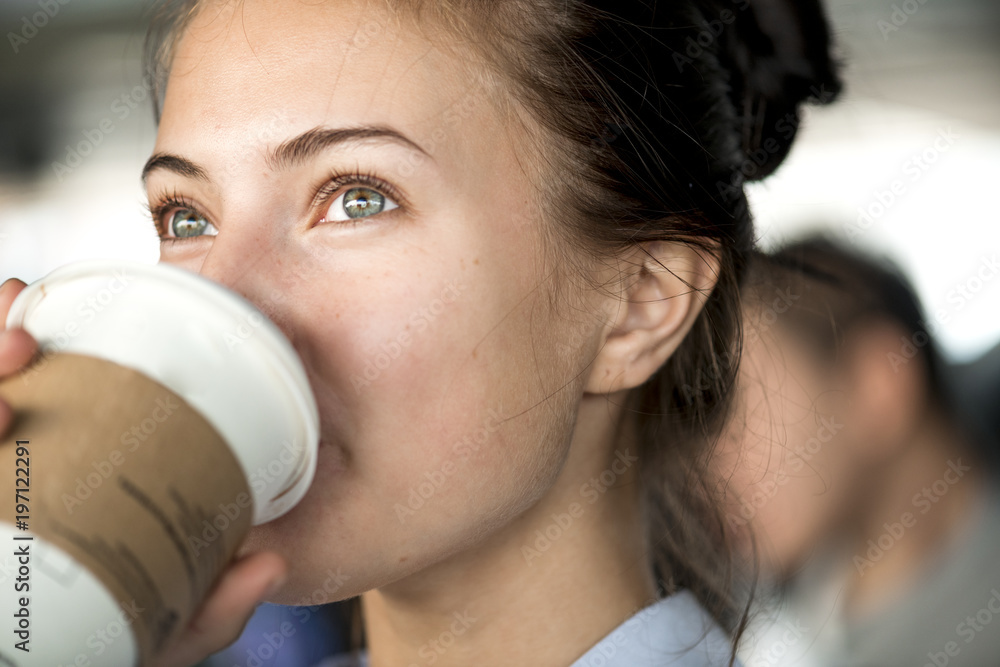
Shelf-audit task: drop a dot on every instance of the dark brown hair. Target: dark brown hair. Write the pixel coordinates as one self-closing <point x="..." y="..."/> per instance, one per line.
<point x="656" y="114"/>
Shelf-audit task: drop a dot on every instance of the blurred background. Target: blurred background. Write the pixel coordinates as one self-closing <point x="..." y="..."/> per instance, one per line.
<point x="905" y="164"/>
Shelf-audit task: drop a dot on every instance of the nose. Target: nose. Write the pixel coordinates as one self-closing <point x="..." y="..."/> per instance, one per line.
<point x="236" y="263"/>
<point x="245" y="265"/>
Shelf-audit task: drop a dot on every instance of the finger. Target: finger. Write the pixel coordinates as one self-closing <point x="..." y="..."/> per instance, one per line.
<point x="222" y="617"/>
<point x="8" y="292"/>
<point x="17" y="347"/>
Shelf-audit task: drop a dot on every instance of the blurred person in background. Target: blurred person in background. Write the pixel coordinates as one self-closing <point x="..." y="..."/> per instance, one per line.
<point x="870" y="503"/>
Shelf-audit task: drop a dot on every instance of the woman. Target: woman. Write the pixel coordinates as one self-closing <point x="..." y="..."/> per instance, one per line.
<point x="500" y="235"/>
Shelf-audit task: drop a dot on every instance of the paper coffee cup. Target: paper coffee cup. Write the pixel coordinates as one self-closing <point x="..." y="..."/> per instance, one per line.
<point x="164" y="416"/>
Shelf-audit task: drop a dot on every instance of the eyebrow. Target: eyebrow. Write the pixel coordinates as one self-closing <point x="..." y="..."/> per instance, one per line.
<point x="289" y="153"/>
<point x="174" y="163"/>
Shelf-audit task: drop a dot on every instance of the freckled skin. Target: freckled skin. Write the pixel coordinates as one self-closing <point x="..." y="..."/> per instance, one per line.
<point x="345" y="292"/>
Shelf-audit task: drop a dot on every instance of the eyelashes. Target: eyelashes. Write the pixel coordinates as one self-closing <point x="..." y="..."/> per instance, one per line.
<point x="162" y="208"/>
<point x="166" y="204"/>
<point x="336" y="182"/>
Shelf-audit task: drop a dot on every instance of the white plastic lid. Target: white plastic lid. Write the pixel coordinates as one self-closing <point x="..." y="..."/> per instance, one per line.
<point x="202" y="341"/>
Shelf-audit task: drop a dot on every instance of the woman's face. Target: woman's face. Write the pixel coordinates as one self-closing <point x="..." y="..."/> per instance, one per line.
<point x="369" y="198"/>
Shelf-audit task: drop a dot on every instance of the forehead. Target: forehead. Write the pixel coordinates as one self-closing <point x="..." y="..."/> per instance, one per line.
<point x="266" y="69"/>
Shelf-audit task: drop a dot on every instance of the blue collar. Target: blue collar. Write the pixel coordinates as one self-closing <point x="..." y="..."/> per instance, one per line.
<point x="674" y="631"/>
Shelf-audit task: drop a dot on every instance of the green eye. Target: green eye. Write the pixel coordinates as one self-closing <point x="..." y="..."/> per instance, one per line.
<point x="359" y="203"/>
<point x="185" y="223"/>
<point x="362" y="202"/>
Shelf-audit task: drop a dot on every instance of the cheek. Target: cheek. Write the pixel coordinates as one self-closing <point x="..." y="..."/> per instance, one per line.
<point x="444" y="396"/>
<point x="432" y="377"/>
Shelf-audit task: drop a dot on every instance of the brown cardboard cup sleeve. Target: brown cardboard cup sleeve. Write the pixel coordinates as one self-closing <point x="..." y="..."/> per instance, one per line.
<point x="130" y="481"/>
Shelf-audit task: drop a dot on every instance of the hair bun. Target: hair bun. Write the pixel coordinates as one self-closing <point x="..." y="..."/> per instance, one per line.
<point x="778" y="56"/>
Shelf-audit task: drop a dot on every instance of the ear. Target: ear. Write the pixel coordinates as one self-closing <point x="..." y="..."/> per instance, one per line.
<point x="657" y="302"/>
